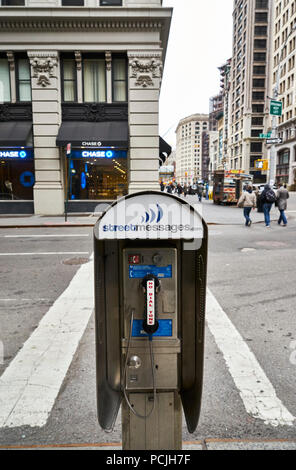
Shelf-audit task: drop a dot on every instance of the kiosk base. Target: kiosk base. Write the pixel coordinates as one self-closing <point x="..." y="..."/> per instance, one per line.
<point x="161" y="431"/>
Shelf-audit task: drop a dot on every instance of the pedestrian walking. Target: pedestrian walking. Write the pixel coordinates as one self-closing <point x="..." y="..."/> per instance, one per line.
<point x="282" y="197"/>
<point x="179" y="189"/>
<point x="199" y="192"/>
<point x="185" y="190"/>
<point x="162" y="186"/>
<point x="267" y="198"/>
<point x="207" y="191"/>
<point x="248" y="202"/>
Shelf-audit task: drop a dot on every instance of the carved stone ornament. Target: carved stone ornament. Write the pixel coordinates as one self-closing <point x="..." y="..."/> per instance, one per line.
<point x="144" y="70"/>
<point x="108" y="58"/>
<point x="78" y="58"/>
<point x="11" y="61"/>
<point x="43" y="69"/>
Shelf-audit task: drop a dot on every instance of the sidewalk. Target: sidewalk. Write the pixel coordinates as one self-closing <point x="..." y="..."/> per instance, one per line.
<point x="213" y="215"/>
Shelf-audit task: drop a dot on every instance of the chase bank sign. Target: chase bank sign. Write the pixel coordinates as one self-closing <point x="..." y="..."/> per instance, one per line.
<point x="97" y="154"/>
<point x="20" y="154"/>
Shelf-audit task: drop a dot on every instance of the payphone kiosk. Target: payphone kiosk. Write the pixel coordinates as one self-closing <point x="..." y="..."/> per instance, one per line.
<point x="150" y="290"/>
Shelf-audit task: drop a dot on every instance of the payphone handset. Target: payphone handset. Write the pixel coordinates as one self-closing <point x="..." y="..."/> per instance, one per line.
<point x="151" y="287"/>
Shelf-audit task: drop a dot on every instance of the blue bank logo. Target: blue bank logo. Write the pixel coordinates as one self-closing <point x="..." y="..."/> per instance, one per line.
<point x="153" y="215"/>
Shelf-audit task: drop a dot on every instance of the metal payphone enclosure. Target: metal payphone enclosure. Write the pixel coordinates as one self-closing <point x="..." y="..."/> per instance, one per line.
<point x="138" y="235"/>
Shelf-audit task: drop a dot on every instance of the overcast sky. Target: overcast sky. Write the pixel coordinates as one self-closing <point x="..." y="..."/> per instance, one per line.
<point x="200" y="41"/>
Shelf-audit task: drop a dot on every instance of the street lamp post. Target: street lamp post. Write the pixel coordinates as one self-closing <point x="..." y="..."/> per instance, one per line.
<point x="272" y="165"/>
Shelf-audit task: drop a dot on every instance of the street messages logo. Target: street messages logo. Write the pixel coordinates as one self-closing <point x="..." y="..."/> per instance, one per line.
<point x="152" y="216"/>
<point x="150" y="221"/>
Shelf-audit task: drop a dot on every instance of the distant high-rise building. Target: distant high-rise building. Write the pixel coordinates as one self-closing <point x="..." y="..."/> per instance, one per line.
<point x="250" y="76"/>
<point x="189" y="156"/>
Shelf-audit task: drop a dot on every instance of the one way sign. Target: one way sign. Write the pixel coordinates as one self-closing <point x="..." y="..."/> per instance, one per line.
<point x="276" y="140"/>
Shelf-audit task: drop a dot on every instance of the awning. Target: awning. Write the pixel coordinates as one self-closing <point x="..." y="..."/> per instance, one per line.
<point x="93" y="134"/>
<point x="15" y="133"/>
<point x="165" y="149"/>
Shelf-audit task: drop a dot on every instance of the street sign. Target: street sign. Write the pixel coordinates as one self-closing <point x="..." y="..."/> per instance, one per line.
<point x="276" y="140"/>
<point x="265" y="136"/>
<point x="276" y="108"/>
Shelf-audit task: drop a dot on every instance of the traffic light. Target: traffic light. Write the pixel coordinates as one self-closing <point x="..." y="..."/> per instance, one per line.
<point x="262" y="165"/>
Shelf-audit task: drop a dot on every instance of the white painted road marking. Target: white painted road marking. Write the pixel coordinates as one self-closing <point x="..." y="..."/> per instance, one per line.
<point x="47" y="253"/>
<point x="44" y="236"/>
<point x="256" y="391"/>
<point x="31" y="383"/>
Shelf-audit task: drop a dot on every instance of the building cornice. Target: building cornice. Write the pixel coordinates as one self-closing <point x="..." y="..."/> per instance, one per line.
<point x="76" y="24"/>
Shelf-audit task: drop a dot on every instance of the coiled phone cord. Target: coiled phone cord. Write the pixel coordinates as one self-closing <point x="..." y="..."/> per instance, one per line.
<point x="152" y="368"/>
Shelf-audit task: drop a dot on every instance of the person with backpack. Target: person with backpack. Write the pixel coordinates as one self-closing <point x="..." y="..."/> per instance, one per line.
<point x="268" y="198"/>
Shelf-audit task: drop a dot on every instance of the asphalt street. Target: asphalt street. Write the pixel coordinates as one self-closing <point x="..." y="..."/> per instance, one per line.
<point x="251" y="274"/>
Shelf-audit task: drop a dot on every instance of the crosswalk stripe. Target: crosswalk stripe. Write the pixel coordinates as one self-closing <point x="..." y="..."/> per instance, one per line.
<point x="256" y="390"/>
<point x="30" y="384"/>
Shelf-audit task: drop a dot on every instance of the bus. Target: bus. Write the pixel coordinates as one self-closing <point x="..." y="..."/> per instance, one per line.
<point x="229" y="185"/>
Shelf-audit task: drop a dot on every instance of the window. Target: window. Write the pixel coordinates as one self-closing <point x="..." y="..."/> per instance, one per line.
<point x="258" y="95"/>
<point x="262" y="4"/>
<point x="260" y="44"/>
<point x="13" y="3"/>
<point x="258" y="82"/>
<point x="23" y="80"/>
<point x="257" y="108"/>
<point x="259" y="70"/>
<point x="94" y="80"/>
<point x="259" y="56"/>
<point x="72" y="3"/>
<point x="109" y="3"/>
<point x="119" y="69"/>
<point x="69" y="80"/>
<point x="4" y="81"/>
<point x="256" y="147"/>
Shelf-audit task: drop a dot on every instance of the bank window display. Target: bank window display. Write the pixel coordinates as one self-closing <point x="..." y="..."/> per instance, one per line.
<point x="24" y="80"/>
<point x="69" y="80"/>
<point x="5" y="96"/>
<point x="101" y="179"/>
<point x="94" y="79"/>
<point x="17" y="176"/>
<point x="119" y="69"/>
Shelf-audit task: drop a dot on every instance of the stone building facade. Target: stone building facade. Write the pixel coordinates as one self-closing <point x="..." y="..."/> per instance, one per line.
<point x="251" y="71"/>
<point x="86" y="73"/>
<point x="284" y="60"/>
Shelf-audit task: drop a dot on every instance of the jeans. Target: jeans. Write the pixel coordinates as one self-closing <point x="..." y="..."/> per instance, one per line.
<point x="266" y="209"/>
<point x="247" y="211"/>
<point x="283" y="217"/>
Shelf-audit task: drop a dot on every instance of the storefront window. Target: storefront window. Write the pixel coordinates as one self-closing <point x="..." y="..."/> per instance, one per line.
<point x="94" y="81"/>
<point x="4" y="81"/>
<point x="24" y="80"/>
<point x="16" y="177"/>
<point x="103" y="178"/>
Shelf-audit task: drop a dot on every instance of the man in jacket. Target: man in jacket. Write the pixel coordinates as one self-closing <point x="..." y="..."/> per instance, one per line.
<point x="247" y="201"/>
<point x="268" y="198"/>
<point x="282" y="196"/>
